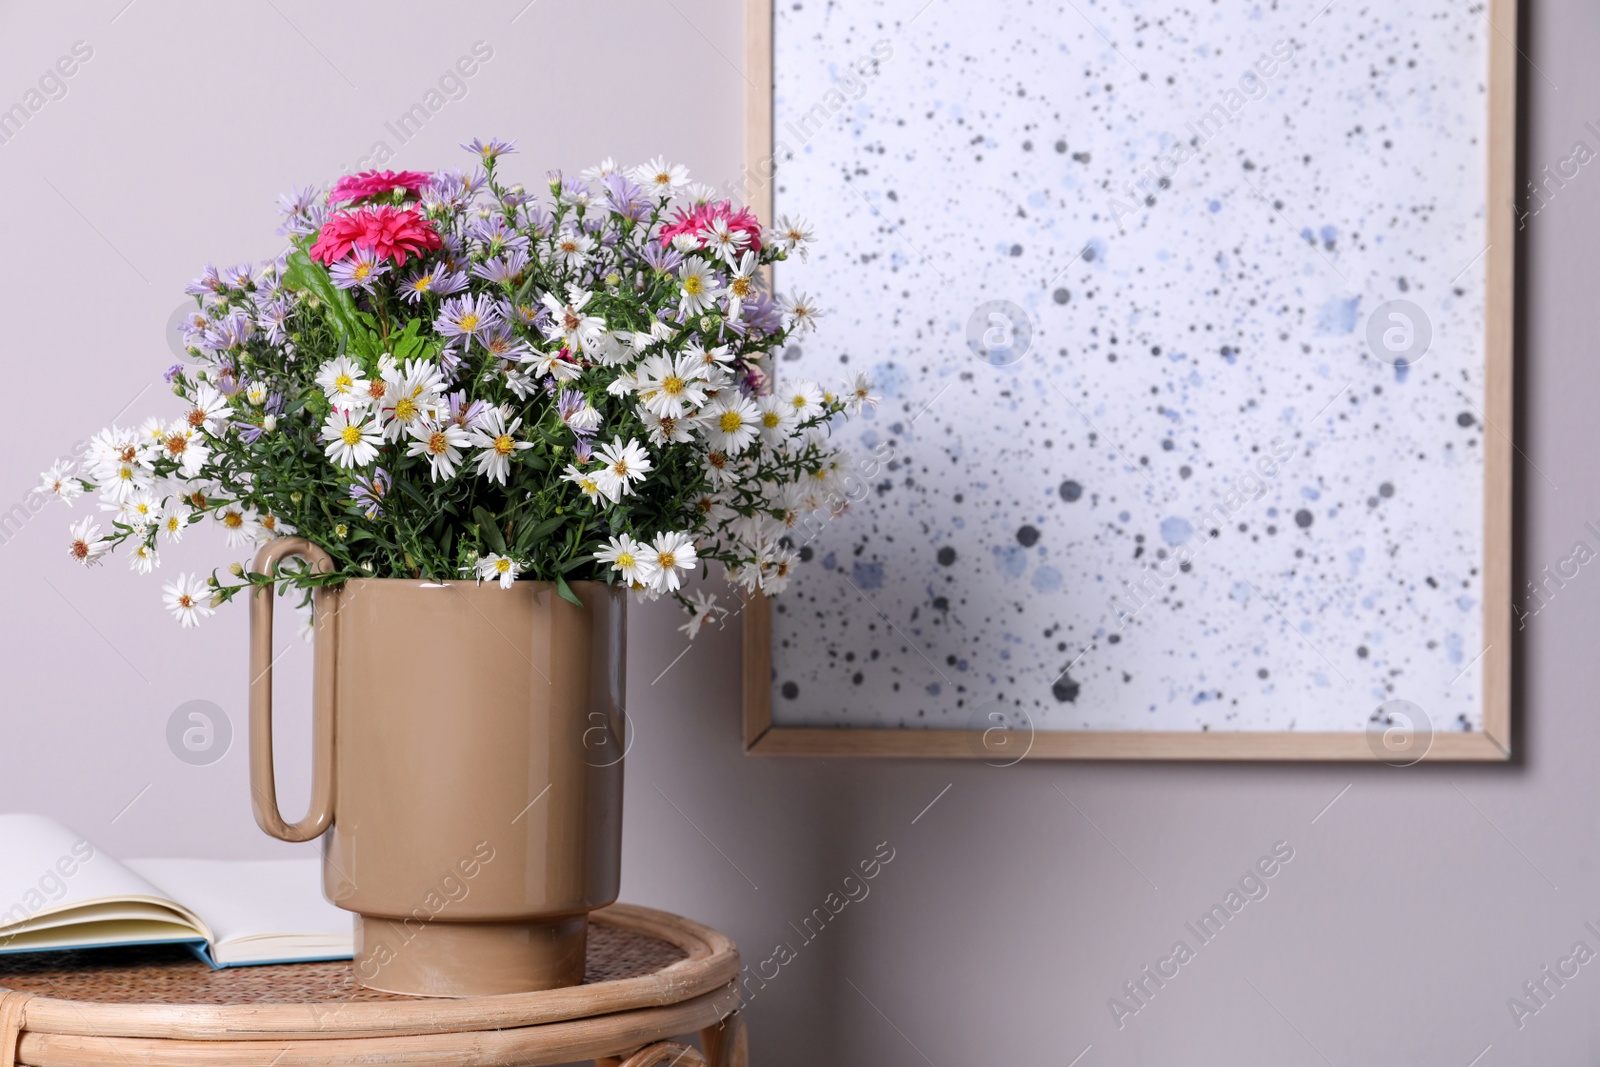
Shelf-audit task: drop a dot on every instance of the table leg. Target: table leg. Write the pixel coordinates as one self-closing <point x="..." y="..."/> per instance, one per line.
<point x="727" y="1044"/>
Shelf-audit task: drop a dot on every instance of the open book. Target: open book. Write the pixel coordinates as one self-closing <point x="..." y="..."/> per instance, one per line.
<point x="59" y="891"/>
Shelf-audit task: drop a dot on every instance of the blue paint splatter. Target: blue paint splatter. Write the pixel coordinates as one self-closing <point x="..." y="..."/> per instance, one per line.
<point x="1011" y="560"/>
<point x="1046" y="580"/>
<point x="867" y="575"/>
<point x="1338" y="316"/>
<point x="1175" y="530"/>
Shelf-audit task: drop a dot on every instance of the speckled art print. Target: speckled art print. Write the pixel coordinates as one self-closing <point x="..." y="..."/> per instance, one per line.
<point x="1178" y="317"/>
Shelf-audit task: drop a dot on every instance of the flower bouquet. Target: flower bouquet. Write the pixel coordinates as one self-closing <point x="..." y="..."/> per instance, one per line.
<point x="444" y="375"/>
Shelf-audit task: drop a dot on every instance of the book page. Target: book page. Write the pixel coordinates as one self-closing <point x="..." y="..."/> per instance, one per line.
<point x="258" y="910"/>
<point x="48" y="873"/>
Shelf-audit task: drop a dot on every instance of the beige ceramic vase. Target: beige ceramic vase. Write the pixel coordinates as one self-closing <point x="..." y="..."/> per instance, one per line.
<point x="466" y="769"/>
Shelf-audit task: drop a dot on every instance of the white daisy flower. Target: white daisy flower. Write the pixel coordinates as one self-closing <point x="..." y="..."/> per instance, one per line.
<point x="799" y="312"/>
<point x="411" y="395"/>
<point x="562" y="370"/>
<point x="503" y="568"/>
<point x="633" y="560"/>
<point x="703" y="609"/>
<point x="189" y="599"/>
<point x="804" y="399"/>
<point x="792" y="235"/>
<point x="143" y="559"/>
<point x="574" y="248"/>
<point x="568" y="322"/>
<point x="666" y="430"/>
<point x="777" y="419"/>
<point x="660" y="177"/>
<point x="185" y="444"/>
<point x="441" y="444"/>
<point x="344" y="384"/>
<point x="498" y="444"/>
<point x="584" y="480"/>
<point x="698" y="289"/>
<point x="672" y="552"/>
<point x="858" y="394"/>
<point x="240" y="524"/>
<point x="671" y="385"/>
<point x="623" y="464"/>
<point x="141" y="511"/>
<point x="174" y="520"/>
<point x="87" y="546"/>
<point x="601" y="171"/>
<point x="686" y="242"/>
<point x="352" y="437"/>
<point x="720" y="469"/>
<point x="726" y="242"/>
<point x="731" y="422"/>
<point x="744" y="284"/>
<point x="58" y="481"/>
<point x="208" y="408"/>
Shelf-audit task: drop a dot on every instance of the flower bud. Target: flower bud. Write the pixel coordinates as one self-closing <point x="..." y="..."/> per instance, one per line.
<point x="270" y="423"/>
<point x="236" y="569"/>
<point x="296" y="496"/>
<point x="342" y="531"/>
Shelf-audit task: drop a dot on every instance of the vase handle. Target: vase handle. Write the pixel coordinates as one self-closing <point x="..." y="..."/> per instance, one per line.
<point x="263" y="782"/>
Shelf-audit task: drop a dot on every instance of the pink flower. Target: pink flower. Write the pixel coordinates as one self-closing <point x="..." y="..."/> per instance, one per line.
<point x="373" y="183"/>
<point x="705" y="216"/>
<point x="389" y="232"/>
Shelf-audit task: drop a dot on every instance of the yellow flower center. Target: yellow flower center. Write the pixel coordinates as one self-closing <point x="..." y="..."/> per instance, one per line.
<point x="742" y="287"/>
<point x="185" y="601"/>
<point x="405" y="409"/>
<point x="799" y="402"/>
<point x="361" y="271"/>
<point x="468" y="322"/>
<point x="666" y="559"/>
<point x="504" y="445"/>
<point x="730" y="421"/>
<point x="625" y="561"/>
<point x="343" y="383"/>
<point x="126" y="474"/>
<point x="502" y="565"/>
<point x="350" y="435"/>
<point x="769" y="419"/>
<point x="438" y="444"/>
<point x="620" y="468"/>
<point x="423" y="284"/>
<point x="672" y="385"/>
<point x="693" y="284"/>
<point x="232" y="520"/>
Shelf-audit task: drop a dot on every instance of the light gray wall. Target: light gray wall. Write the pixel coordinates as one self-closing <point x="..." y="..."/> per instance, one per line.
<point x="1022" y="900"/>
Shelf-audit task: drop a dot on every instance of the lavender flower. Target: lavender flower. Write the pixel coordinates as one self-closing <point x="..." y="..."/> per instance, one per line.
<point x="503" y="342"/>
<point x="433" y="280"/>
<point x="506" y="269"/>
<point x="359" y="270"/>
<point x="626" y="198"/>
<point x="370" y="492"/>
<point x="210" y="281"/>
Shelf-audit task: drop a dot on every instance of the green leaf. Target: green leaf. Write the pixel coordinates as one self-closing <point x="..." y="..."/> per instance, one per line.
<point x="489" y="531"/>
<point x="305" y="274"/>
<point x="565" y="591"/>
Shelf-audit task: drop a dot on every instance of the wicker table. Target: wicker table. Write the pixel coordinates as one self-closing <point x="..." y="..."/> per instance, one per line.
<point x="651" y="978"/>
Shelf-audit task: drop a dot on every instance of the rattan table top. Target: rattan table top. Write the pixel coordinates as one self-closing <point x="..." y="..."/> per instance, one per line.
<point x="171" y="974"/>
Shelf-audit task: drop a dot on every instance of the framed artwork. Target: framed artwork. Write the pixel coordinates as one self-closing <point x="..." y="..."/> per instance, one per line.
<point x="1194" y="340"/>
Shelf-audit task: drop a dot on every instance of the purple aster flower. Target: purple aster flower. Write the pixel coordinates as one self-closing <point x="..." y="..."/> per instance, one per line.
<point x="272" y="316"/>
<point x="359" y="270"/>
<point x="434" y="279"/>
<point x="762" y="313"/>
<point x="506" y="269"/>
<point x="369" y="492"/>
<point x="172" y="373"/>
<point x="534" y="315"/>
<point x="467" y="316"/>
<point x="230" y="331"/>
<point x="446" y="191"/>
<point x="664" y="259"/>
<point x="540" y="221"/>
<point x="515" y="197"/>
<point x="503" y="342"/>
<point x="249" y="432"/>
<point x="242" y="276"/>
<point x="210" y="281"/>
<point x="495" y="235"/>
<point x="491" y="149"/>
<point x="302" y="210"/>
<point x="626" y="198"/>
<point x="582" y="450"/>
<point x="464" y="413"/>
<point x="568" y="403"/>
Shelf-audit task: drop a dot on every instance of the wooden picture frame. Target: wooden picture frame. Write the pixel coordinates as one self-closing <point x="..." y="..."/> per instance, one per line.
<point x="1492" y="743"/>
